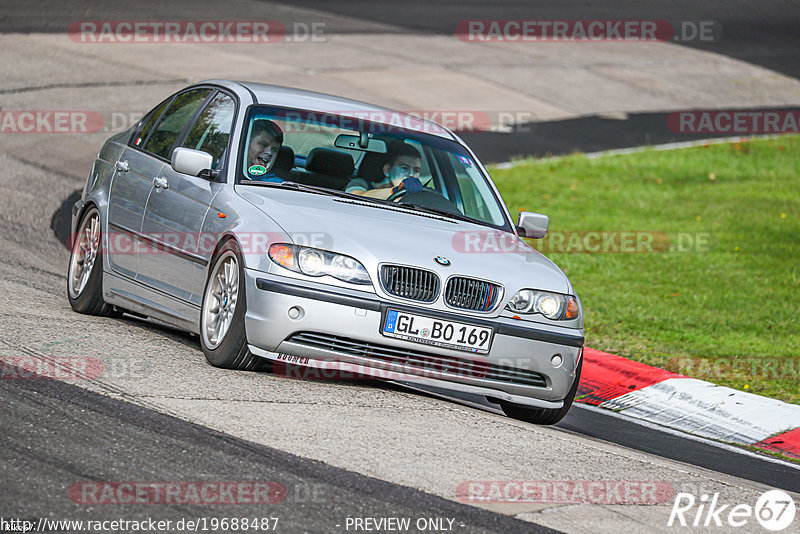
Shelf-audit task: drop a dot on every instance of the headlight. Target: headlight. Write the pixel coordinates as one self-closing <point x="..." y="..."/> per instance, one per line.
<point x="311" y="262"/>
<point x="316" y="262"/>
<point x="552" y="305"/>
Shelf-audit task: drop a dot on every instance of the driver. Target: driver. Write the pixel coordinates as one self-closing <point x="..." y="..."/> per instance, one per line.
<point x="401" y="172"/>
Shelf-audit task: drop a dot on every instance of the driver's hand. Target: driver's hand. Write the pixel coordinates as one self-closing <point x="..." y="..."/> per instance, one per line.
<point x="410" y="184"/>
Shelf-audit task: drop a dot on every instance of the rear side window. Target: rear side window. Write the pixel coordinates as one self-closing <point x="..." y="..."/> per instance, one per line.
<point x="164" y="136"/>
<point x="213" y="127"/>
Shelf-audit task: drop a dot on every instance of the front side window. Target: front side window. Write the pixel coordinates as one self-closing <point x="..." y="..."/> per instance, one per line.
<point x="474" y="191"/>
<point x="148" y="122"/>
<point x="164" y="136"/>
<point x="212" y="129"/>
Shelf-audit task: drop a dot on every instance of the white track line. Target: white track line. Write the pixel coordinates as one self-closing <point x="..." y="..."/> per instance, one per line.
<point x="633" y="150"/>
<point x="492" y="409"/>
<point x="678" y="433"/>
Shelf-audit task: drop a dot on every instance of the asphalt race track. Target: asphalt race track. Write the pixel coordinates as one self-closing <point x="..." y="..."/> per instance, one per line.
<point x="763" y="34"/>
<point x="139" y="444"/>
<point x="600" y="424"/>
<point x="158" y="413"/>
<point x="758" y="33"/>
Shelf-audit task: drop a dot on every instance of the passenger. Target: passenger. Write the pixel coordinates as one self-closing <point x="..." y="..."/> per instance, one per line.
<point x="266" y="139"/>
<point x="401" y="171"/>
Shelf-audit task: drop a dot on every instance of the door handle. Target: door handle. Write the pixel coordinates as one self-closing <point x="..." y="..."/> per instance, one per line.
<point x="160" y="181"/>
<point x="122" y="166"/>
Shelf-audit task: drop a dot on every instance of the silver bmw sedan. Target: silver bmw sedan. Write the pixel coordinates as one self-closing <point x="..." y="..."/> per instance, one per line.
<point x="313" y="235"/>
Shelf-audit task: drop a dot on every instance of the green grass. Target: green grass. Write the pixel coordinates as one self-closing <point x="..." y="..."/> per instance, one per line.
<point x="729" y="312"/>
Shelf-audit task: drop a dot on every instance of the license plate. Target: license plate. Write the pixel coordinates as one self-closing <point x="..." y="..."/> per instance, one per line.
<point x="437" y="332"/>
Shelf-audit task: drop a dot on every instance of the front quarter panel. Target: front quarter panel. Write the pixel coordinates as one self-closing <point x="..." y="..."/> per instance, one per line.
<point x="232" y="216"/>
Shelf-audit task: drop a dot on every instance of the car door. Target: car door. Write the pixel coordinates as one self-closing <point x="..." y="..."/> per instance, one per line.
<point x="178" y="203"/>
<point x="130" y="187"/>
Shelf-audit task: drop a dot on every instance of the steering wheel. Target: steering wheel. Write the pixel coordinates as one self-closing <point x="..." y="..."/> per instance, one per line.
<point x="403" y="192"/>
<point x="428" y="197"/>
<point x="397" y="195"/>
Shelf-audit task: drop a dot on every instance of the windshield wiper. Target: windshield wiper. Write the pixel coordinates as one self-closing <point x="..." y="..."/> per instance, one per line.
<point x="334" y="192"/>
<point x="309" y="188"/>
<point x="289" y="185"/>
<point x="439" y="211"/>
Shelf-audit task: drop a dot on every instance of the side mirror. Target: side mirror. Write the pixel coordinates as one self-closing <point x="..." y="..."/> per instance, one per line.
<point x="531" y="224"/>
<point x="190" y="161"/>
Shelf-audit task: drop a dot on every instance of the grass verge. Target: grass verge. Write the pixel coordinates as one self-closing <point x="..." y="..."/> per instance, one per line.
<point x="717" y="294"/>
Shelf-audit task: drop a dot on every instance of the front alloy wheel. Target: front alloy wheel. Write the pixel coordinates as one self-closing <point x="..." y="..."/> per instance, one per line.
<point x="222" y="332"/>
<point x="222" y="293"/>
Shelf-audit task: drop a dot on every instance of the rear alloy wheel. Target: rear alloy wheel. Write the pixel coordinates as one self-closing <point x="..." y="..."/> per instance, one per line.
<point x="543" y="416"/>
<point x="222" y="332"/>
<point x="85" y="275"/>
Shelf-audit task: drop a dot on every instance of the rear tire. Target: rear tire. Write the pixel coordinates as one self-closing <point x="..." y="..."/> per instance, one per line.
<point x="222" y="333"/>
<point x="544" y="416"/>
<point x="85" y="273"/>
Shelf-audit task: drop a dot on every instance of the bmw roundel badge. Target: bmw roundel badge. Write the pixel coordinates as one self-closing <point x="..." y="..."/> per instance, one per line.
<point x="441" y="260"/>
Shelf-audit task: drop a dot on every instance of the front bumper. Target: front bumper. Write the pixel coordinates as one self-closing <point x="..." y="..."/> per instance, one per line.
<point x="341" y="328"/>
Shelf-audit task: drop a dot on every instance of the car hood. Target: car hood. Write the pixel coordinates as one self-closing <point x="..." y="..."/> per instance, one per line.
<point x="375" y="235"/>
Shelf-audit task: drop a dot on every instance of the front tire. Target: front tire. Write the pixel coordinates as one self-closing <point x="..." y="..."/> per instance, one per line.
<point x="222" y="333"/>
<point x="544" y="416"/>
<point x="85" y="274"/>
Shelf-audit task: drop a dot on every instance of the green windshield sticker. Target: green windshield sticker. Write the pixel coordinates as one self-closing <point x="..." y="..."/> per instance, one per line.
<point x="257" y="170"/>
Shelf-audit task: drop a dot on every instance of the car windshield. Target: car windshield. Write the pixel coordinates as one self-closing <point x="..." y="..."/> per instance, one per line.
<point x="381" y="162"/>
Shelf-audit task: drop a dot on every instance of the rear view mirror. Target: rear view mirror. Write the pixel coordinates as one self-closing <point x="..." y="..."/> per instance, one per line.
<point x="353" y="142"/>
<point x="190" y="161"/>
<point x="532" y="224"/>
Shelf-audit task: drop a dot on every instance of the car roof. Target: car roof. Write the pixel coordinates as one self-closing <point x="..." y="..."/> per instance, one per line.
<point x="291" y="97"/>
